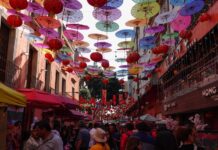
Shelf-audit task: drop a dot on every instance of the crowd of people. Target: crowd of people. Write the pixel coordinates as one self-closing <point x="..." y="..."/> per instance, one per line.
<point x="99" y="136"/>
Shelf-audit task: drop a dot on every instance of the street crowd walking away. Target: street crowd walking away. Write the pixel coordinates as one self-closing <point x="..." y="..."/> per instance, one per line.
<point x="139" y="135"/>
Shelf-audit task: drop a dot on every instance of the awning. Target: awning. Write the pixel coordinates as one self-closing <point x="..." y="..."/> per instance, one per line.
<point x="40" y="98"/>
<point x="69" y="103"/>
<point x="9" y="96"/>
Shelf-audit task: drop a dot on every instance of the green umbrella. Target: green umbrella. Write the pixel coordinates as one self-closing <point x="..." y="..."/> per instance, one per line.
<point x="145" y="10"/>
<point x="66" y="50"/>
<point x="170" y="35"/>
<point x="107" y="26"/>
<point x="126" y="44"/>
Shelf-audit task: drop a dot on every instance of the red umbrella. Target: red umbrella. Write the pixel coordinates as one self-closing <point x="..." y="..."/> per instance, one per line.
<point x="40" y="98"/>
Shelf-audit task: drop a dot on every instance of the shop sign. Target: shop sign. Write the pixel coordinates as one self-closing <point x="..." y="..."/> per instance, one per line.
<point x="209" y="91"/>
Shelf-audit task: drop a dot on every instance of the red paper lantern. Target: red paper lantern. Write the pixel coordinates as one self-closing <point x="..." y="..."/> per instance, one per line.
<point x="160" y="49"/>
<point x="14" y="21"/>
<point x="82" y="65"/>
<point x="185" y="34"/>
<point x="96" y="56"/>
<point x="69" y="69"/>
<point x="105" y="64"/>
<point x="18" y="4"/>
<point x="48" y="56"/>
<point x="204" y="17"/>
<point x="97" y="3"/>
<point x="136" y="79"/>
<point x="51" y="59"/>
<point x="133" y="57"/>
<point x="105" y="81"/>
<point x="65" y="62"/>
<point x="88" y="77"/>
<point x="55" y="44"/>
<point x="53" y="6"/>
<point x="121" y="81"/>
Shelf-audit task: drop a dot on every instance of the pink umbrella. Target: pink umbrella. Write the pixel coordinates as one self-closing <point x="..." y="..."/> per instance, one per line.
<point x="73" y="35"/>
<point x="180" y="23"/>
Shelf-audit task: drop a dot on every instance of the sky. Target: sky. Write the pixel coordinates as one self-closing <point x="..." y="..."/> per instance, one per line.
<point x="91" y="21"/>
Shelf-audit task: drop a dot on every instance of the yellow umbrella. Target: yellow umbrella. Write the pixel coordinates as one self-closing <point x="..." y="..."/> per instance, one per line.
<point x="135" y="69"/>
<point x="104" y="50"/>
<point x="137" y="22"/>
<point x="9" y="96"/>
<point x="81" y="43"/>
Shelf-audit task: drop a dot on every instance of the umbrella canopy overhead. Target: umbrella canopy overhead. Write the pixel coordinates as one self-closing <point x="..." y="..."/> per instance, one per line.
<point x="11" y="97"/>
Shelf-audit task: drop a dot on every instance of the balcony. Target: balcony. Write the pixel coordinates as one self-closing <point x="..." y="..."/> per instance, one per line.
<point x="201" y="74"/>
<point x="9" y="73"/>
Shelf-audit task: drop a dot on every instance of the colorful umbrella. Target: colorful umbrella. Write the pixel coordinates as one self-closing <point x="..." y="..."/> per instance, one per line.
<point x="192" y="8"/>
<point x="78" y="26"/>
<point x="170" y="35"/>
<point x="166" y="17"/>
<point x="146" y="46"/>
<point x="102" y="45"/>
<point x="114" y="3"/>
<point x="71" y="15"/>
<point x="124" y="66"/>
<point x="83" y="50"/>
<point x="107" y="26"/>
<point x="137" y="22"/>
<point x="179" y="2"/>
<point x="82" y="59"/>
<point x="126" y="44"/>
<point x="48" y="22"/>
<point x="180" y="23"/>
<point x="122" y="72"/>
<point x="135" y="69"/>
<point x="40" y="45"/>
<point x="66" y="49"/>
<point x="36" y="8"/>
<point x="78" y="43"/>
<point x="107" y="14"/>
<point x="73" y="35"/>
<point x="33" y="37"/>
<point x="111" y="68"/>
<point x="169" y="42"/>
<point x="72" y="4"/>
<point x="104" y="50"/>
<point x="148" y="39"/>
<point x="126" y="33"/>
<point x="49" y="32"/>
<point x="124" y="49"/>
<point x="145" y="10"/>
<point x="144" y="1"/>
<point x="97" y="36"/>
<point x="6" y="4"/>
<point x="154" y="29"/>
<point x="120" y="60"/>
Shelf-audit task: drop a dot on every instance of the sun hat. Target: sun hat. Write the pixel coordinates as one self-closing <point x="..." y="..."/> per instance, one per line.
<point x="100" y="135"/>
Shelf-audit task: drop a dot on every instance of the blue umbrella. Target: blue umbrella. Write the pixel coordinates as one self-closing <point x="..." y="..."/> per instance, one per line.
<point x="146" y="46"/>
<point x="126" y="33"/>
<point x="122" y="72"/>
<point x="192" y="8"/>
<point x="148" y="39"/>
<point x="113" y="4"/>
<point x="179" y="2"/>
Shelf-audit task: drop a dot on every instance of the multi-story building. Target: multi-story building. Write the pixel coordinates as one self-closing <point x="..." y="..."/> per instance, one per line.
<point x="22" y="65"/>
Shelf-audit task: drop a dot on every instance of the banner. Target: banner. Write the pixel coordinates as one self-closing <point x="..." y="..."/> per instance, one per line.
<point x="104" y="97"/>
<point x="114" y="100"/>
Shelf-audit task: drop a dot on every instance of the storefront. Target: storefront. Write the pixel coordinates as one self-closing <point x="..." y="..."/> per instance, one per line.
<point x="203" y="100"/>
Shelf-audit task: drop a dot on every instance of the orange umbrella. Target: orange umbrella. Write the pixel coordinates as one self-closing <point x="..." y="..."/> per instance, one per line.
<point x="97" y="36"/>
<point x="104" y="50"/>
<point x="82" y="59"/>
<point x="79" y="43"/>
<point x="5" y="3"/>
<point x="137" y="22"/>
<point x="48" y="22"/>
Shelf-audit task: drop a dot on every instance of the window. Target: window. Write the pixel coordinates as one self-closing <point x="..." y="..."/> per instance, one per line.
<point x="57" y="82"/>
<point x="47" y="75"/>
<point x="63" y="87"/>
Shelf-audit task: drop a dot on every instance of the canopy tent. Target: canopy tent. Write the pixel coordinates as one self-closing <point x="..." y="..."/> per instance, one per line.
<point x="9" y="96"/>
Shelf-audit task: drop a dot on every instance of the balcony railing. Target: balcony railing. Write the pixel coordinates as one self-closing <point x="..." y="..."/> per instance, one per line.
<point x="200" y="76"/>
<point x="9" y="73"/>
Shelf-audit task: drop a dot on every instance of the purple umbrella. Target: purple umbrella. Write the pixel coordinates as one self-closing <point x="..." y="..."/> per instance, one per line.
<point x="73" y="35"/>
<point x="78" y="26"/>
<point x="102" y="45"/>
<point x="192" y="8"/>
<point x="107" y="14"/>
<point x="154" y="29"/>
<point x="169" y="42"/>
<point x="71" y="15"/>
<point x="148" y="39"/>
<point x="72" y="4"/>
<point x="83" y="50"/>
<point x="41" y="45"/>
<point x="36" y="8"/>
<point x="48" y="32"/>
<point x="124" y="66"/>
<point x="166" y="17"/>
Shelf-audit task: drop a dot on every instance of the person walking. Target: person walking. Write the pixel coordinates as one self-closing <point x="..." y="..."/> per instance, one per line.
<point x="100" y="139"/>
<point x="50" y="141"/>
<point x="83" y="137"/>
<point x="124" y="136"/>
